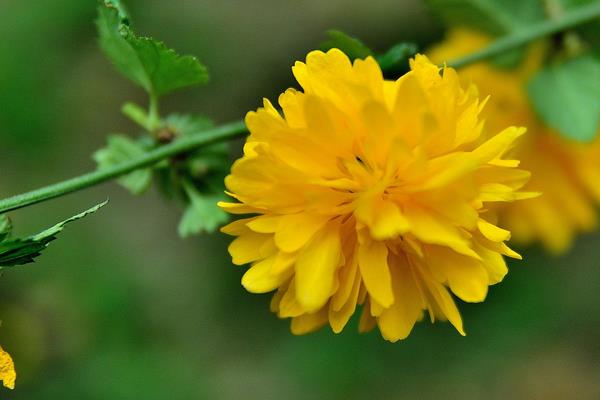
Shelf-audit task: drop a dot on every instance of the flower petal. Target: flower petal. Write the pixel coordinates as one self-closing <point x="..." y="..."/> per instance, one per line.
<point x="315" y="269"/>
<point x="295" y="230"/>
<point x="396" y="322"/>
<point x="7" y="370"/>
<point x="372" y="261"/>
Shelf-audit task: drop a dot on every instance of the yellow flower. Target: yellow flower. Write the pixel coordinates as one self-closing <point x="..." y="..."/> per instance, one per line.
<point x="373" y="192"/>
<point x="7" y="370"/>
<point x="566" y="172"/>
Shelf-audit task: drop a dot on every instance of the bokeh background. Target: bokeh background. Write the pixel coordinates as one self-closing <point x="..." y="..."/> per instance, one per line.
<point x="121" y="308"/>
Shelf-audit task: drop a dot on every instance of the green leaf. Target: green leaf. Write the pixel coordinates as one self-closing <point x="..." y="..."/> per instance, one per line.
<point x="567" y="97"/>
<point x="206" y="159"/>
<point x="5" y="227"/>
<point x="23" y="251"/>
<point x="121" y="149"/>
<point x="186" y="125"/>
<point x="202" y="214"/>
<point x="396" y="58"/>
<point x="496" y="17"/>
<point x="145" y="61"/>
<point x="352" y="47"/>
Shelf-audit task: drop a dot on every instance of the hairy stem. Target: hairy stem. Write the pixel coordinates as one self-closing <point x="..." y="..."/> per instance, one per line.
<point x="153" y="116"/>
<point x="235" y="129"/>
<point x="185" y="144"/>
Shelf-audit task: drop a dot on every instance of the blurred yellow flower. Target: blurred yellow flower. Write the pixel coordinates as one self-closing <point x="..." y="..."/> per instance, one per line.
<point x="371" y="192"/>
<point x="566" y="172"/>
<point x="7" y="370"/>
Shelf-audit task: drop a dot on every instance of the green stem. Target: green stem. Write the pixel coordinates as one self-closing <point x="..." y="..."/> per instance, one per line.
<point x="182" y="145"/>
<point x="153" y="116"/>
<point x="235" y="129"/>
<point x="536" y="31"/>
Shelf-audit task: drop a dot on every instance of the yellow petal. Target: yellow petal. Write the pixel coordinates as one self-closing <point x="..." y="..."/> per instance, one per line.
<point x="495" y="147"/>
<point x="348" y="274"/>
<point x="340" y="317"/>
<point x="237" y="228"/>
<point x="431" y="228"/>
<point x="443" y="302"/>
<point x="367" y="321"/>
<point x="389" y="221"/>
<point x="307" y="323"/>
<point x="7" y="370"/>
<point x="283" y="261"/>
<point x="297" y="229"/>
<point x="372" y="261"/>
<point x="315" y="269"/>
<point x="246" y="248"/>
<point x="264" y="223"/>
<point x="260" y="278"/>
<point x="444" y="170"/>
<point x="494" y="264"/>
<point x="492" y="232"/>
<point x="396" y="322"/>
<point x="237" y="208"/>
<point x="289" y="306"/>
<point x="466" y="276"/>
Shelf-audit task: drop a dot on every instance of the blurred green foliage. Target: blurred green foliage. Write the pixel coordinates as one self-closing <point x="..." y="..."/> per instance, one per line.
<point x="123" y="309"/>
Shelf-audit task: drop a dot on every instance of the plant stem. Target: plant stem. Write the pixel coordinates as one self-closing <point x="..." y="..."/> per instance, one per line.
<point x="153" y="116"/>
<point x="182" y="145"/>
<point x="536" y="31"/>
<point x="235" y="129"/>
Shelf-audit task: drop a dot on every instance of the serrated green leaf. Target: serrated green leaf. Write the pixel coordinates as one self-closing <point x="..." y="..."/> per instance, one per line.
<point x="567" y="97"/>
<point x="23" y="251"/>
<point x="120" y="149"/>
<point x="145" y="61"/>
<point x="396" y="58"/>
<point x="5" y="227"/>
<point x="351" y="46"/>
<point x="202" y="214"/>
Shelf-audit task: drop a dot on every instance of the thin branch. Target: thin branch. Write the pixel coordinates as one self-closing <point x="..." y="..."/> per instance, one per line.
<point x="183" y="145"/>
<point x="536" y="31"/>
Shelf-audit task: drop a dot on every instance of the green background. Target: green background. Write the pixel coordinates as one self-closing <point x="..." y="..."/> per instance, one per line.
<point x="120" y="308"/>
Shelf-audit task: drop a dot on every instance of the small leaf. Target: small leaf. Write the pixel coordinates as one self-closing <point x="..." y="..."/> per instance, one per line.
<point x="202" y="214"/>
<point x="5" y="227"/>
<point x="145" y="61"/>
<point x="352" y="47"/>
<point x="186" y="125"/>
<point x="396" y="58"/>
<point x="206" y="159"/>
<point x="567" y="97"/>
<point x="23" y="251"/>
<point x="121" y="149"/>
